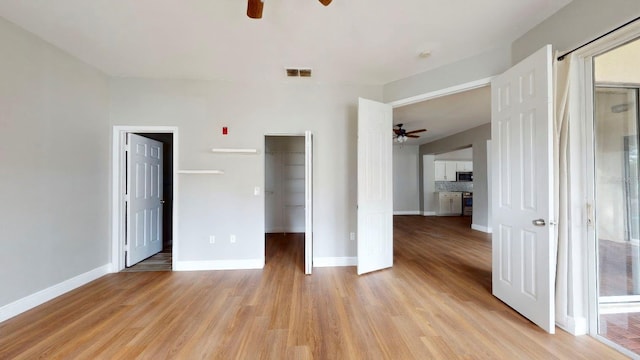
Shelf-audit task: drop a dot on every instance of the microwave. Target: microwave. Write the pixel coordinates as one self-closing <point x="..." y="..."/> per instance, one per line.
<point x="464" y="176"/>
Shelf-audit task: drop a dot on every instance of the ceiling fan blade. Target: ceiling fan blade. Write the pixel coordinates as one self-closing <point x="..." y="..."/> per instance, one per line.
<point x="325" y="2"/>
<point x="416" y="131"/>
<point x="413" y="136"/>
<point x="254" y="9"/>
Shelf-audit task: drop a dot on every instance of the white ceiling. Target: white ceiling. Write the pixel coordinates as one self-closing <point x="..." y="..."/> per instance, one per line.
<point x="445" y="115"/>
<point x="350" y="41"/>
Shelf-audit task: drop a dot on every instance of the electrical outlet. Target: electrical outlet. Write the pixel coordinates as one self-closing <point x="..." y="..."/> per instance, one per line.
<point x="212" y="239"/>
<point x="232" y="238"/>
<point x="352" y="236"/>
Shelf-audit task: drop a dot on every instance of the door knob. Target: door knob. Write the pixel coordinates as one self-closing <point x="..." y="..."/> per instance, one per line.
<point x="539" y="222"/>
<point x="161" y="201"/>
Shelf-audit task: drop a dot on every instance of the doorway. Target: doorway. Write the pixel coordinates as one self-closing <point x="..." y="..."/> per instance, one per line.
<point x="288" y="197"/>
<point x="616" y="188"/>
<point x="163" y="184"/>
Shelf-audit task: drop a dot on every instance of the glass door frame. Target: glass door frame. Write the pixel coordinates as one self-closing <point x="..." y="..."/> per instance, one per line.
<point x="582" y="112"/>
<point x="617" y="304"/>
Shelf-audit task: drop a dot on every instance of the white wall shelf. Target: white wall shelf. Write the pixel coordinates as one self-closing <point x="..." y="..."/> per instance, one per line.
<point x="234" y="151"/>
<point x="202" y="172"/>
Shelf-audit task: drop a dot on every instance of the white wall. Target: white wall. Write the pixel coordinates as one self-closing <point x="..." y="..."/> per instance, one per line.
<point x="462" y="154"/>
<point x="224" y="205"/>
<point x="54" y="166"/>
<point x="575" y="24"/>
<point x="406" y="190"/>
<point x="481" y="66"/>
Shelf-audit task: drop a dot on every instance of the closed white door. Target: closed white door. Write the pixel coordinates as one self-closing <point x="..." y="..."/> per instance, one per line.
<point x="522" y="178"/>
<point x="144" y="198"/>
<point x="375" y="186"/>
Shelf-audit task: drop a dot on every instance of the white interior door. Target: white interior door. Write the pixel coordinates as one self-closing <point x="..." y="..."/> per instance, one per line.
<point x="144" y="198"/>
<point x="308" y="203"/>
<point x="375" y="186"/>
<point x="522" y="179"/>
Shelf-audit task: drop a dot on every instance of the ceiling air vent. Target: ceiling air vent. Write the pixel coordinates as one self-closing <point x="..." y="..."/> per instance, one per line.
<point x="304" y="72"/>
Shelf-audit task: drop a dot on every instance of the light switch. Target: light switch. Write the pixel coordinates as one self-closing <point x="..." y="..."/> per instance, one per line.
<point x="256" y="191"/>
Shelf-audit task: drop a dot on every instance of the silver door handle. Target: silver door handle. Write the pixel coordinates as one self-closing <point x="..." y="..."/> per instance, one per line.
<point x="161" y="201"/>
<point x="539" y="222"/>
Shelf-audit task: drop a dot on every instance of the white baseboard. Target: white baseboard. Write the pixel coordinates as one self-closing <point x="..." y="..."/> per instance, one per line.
<point x="244" y="264"/>
<point x="335" y="261"/>
<point x="407" y="212"/>
<point x="484" y="229"/>
<point x="29" y="302"/>
<point x="575" y="326"/>
<point x="429" y="213"/>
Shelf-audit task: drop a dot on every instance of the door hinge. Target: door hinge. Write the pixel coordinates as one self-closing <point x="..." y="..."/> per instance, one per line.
<point x="126" y="247"/>
<point x="127" y="197"/>
<point x="127" y="147"/>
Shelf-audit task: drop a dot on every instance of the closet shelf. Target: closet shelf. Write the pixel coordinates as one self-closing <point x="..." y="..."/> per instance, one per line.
<point x="202" y="172"/>
<point x="234" y="151"/>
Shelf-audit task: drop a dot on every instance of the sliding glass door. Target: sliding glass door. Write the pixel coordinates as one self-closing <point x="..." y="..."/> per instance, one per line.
<point x="617" y="213"/>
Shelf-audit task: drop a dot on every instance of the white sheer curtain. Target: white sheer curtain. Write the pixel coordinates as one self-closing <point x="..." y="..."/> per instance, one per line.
<point x="561" y="185"/>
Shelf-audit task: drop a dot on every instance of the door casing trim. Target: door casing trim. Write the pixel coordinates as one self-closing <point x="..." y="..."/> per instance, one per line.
<point x="583" y="288"/>
<point x="118" y="184"/>
<point x="308" y="223"/>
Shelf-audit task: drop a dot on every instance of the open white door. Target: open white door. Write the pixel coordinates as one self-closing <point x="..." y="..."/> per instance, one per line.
<point x="144" y="198"/>
<point x="522" y="183"/>
<point x="308" y="203"/>
<point x="375" y="190"/>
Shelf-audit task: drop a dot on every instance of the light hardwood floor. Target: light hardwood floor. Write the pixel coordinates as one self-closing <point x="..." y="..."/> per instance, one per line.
<point x="435" y="303"/>
<point x="158" y="262"/>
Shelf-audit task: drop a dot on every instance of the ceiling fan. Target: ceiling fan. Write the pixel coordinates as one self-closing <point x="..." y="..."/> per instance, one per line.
<point x="402" y="135"/>
<point x="254" y="7"/>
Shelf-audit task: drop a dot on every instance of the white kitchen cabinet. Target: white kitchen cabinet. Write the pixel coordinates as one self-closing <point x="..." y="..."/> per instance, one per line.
<point x="440" y="171"/>
<point x="449" y="203"/>
<point x="464" y="166"/>
<point x="445" y="170"/>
